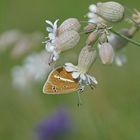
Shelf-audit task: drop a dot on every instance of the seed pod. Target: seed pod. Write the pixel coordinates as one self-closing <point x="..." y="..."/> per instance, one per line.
<point x="86" y="58"/>
<point x="91" y="38"/>
<point x="110" y="11"/>
<point x="118" y="42"/>
<point x="106" y="53"/>
<point x="68" y="25"/>
<point x="90" y="27"/>
<point x="66" y="41"/>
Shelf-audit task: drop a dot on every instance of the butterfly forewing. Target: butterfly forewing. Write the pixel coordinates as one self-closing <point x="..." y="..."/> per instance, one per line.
<point x="59" y="82"/>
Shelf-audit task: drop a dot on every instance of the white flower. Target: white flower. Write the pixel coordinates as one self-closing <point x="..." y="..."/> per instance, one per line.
<point x="57" y="43"/>
<point x="52" y="33"/>
<point x="93" y="17"/>
<point x="52" y="30"/>
<point x="83" y="78"/>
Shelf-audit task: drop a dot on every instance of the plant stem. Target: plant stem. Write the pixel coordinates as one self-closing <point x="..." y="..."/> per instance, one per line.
<point x="123" y="36"/>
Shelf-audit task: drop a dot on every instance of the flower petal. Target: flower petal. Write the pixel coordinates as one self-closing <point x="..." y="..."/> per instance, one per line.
<point x="69" y="64"/>
<point x="75" y="75"/>
<point x="49" y="29"/>
<point x="55" y="26"/>
<point x="83" y="77"/>
<point x="69" y="69"/>
<point x="49" y="47"/>
<point x="93" y="8"/>
<point x="88" y="79"/>
<point x="92" y="20"/>
<point x="91" y="15"/>
<point x="93" y="79"/>
<point x="49" y="22"/>
<point x="55" y="55"/>
<point x="51" y="36"/>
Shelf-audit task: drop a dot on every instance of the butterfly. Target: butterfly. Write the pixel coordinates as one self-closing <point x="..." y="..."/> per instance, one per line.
<point x="60" y="82"/>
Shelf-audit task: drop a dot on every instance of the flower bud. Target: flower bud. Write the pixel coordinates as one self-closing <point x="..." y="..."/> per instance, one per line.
<point x="90" y="27"/>
<point x="86" y="58"/>
<point x="68" y="25"/>
<point x="110" y="11"/>
<point x="106" y="53"/>
<point x="91" y="38"/>
<point x="66" y="41"/>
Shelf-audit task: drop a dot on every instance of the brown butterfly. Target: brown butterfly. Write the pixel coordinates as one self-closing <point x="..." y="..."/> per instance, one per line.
<point x="60" y="82"/>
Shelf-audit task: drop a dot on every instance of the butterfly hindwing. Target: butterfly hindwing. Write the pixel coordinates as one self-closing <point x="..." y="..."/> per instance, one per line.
<point x="60" y="82"/>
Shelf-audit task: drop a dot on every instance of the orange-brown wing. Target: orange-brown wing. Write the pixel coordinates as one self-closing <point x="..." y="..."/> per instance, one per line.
<point x="60" y="82"/>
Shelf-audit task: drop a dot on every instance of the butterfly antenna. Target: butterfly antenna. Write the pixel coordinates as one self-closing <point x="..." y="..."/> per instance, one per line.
<point x="79" y="99"/>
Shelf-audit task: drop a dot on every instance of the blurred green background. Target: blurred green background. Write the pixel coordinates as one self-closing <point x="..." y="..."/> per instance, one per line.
<point x="111" y="113"/>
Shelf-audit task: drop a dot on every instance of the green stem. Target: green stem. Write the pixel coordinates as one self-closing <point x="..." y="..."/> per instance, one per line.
<point x="123" y="36"/>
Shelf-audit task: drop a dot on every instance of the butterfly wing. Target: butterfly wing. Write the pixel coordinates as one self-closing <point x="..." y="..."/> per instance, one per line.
<point x="60" y="82"/>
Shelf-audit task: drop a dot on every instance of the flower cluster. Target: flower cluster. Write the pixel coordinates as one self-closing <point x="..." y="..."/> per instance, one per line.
<point x="109" y="43"/>
<point x="102" y="41"/>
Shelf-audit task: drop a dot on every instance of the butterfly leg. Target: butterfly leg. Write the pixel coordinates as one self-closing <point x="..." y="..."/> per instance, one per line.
<point x="79" y="99"/>
<point x="51" y="59"/>
<point x="81" y="89"/>
<point x="92" y="86"/>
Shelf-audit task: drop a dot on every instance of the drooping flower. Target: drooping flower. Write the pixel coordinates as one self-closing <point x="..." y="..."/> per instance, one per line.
<point x="86" y="58"/>
<point x="110" y="11"/>
<point x="105" y="11"/>
<point x="57" y="126"/>
<point x="62" y="38"/>
<point x="106" y="53"/>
